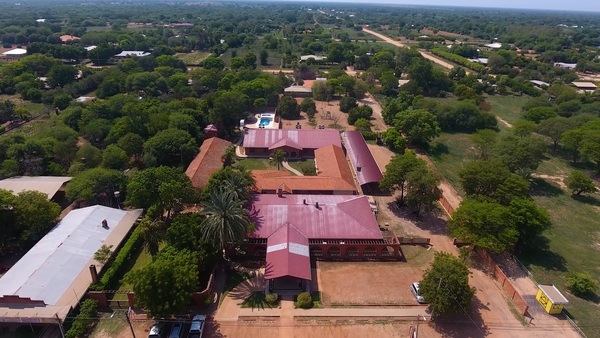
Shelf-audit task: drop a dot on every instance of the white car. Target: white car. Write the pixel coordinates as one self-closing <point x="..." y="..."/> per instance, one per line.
<point x="197" y="326"/>
<point x="414" y="288"/>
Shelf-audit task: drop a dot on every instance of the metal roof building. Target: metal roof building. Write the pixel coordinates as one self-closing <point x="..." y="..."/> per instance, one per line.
<point x="52" y="277"/>
<point x="48" y="185"/>
<point x="137" y="53"/>
<point x="294" y="138"/>
<point x="316" y="216"/>
<point x="288" y="254"/>
<point x="366" y="169"/>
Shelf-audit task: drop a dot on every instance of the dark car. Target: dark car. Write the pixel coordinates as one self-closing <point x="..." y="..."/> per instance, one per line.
<point x="197" y="326"/>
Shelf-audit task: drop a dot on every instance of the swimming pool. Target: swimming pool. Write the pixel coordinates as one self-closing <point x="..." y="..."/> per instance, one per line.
<point x="265" y="121"/>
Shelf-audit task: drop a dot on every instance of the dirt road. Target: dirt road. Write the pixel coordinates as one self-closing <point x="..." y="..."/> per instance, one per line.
<point x="425" y="54"/>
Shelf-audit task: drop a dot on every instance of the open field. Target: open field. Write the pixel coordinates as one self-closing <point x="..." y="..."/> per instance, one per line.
<point x="390" y="287"/>
<point x="575" y="235"/>
<point x="192" y="59"/>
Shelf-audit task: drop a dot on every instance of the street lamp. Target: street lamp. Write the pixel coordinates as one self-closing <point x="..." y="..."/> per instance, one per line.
<point x="117" y="195"/>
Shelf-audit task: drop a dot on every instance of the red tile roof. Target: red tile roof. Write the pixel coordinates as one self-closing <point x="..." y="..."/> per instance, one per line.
<point x="331" y="162"/>
<point x="360" y="156"/>
<point x="273" y="179"/>
<point x="288" y="254"/>
<point x="207" y="161"/>
<point x="299" y="138"/>
<point x="337" y="217"/>
<point x="66" y="38"/>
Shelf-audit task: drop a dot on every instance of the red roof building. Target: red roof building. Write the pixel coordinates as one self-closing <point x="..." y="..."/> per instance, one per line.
<point x="294" y="142"/>
<point x="334" y="176"/>
<point x="316" y="216"/>
<point x="207" y="161"/>
<point x="364" y="165"/>
<point x="67" y="38"/>
<point x="287" y="254"/>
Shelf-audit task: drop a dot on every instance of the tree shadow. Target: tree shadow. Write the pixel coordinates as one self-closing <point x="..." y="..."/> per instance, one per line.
<point x="438" y="149"/>
<point x="213" y="329"/>
<point x="468" y="324"/>
<point x="539" y="254"/>
<point x="431" y="221"/>
<point x="591" y="200"/>
<point x="256" y="300"/>
<point x="541" y="187"/>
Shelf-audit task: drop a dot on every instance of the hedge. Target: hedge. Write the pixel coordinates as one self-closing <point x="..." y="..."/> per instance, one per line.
<point x="369" y="135"/>
<point x="115" y="272"/>
<point x="457" y="59"/>
<point x="81" y="323"/>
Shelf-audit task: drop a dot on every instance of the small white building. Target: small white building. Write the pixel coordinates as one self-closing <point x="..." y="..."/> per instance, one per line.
<point x="136" y="53"/>
<point x="584" y="87"/>
<point x="483" y="61"/>
<point x="565" y="65"/>
<point x="304" y="58"/>
<point x="16" y="53"/>
<point x="540" y="84"/>
<point x="495" y="45"/>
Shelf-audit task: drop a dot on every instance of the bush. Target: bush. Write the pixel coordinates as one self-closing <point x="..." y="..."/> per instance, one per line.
<point x="271" y="298"/>
<point x="457" y="59"/>
<point x="369" y="135"/>
<point x="113" y="275"/>
<point x="304" y="300"/>
<point x="581" y="284"/>
<point x="82" y="321"/>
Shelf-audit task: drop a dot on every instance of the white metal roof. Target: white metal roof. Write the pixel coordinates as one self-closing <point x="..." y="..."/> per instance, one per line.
<point x="132" y="53"/>
<point x="555" y="296"/>
<point x="494" y="45"/>
<point x="297" y="89"/>
<point x="540" y="83"/>
<point x="16" y="51"/>
<point x="50" y="267"/>
<point x="48" y="185"/>
<point x="584" y="84"/>
<point x="90" y="48"/>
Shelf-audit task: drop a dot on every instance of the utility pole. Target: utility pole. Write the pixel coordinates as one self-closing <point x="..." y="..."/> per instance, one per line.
<point x="129" y="321"/>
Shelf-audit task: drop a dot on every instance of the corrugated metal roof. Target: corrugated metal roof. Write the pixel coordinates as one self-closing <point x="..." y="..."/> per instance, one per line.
<point x="361" y="157"/>
<point x="304" y="138"/>
<point x="287" y="254"/>
<point x="47" y="271"/>
<point x="48" y="185"/>
<point x="338" y="216"/>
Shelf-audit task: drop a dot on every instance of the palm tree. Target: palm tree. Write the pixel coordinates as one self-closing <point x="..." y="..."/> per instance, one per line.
<point x="226" y="221"/>
<point x="152" y="234"/>
<point x="278" y="156"/>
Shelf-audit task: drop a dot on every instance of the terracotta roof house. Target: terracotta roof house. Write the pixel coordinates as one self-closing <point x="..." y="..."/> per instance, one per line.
<point x="296" y="143"/>
<point x="293" y="229"/>
<point x="68" y="38"/>
<point x="334" y="176"/>
<point x="367" y="171"/>
<point x="207" y="161"/>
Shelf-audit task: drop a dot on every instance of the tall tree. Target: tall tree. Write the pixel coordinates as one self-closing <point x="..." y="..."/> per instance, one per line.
<point x="226" y="223"/>
<point x="580" y="183"/>
<point x="423" y="191"/>
<point x="277" y="157"/>
<point x="483" y="177"/>
<point x="96" y="185"/>
<point x="170" y="147"/>
<point x="152" y="232"/>
<point x="35" y="214"/>
<point x="418" y="126"/>
<point x="529" y="219"/>
<point x="554" y="128"/>
<point x="484" y="140"/>
<point x="164" y="287"/>
<point x="398" y="170"/>
<point x="227" y="110"/>
<point x="484" y="224"/>
<point x="445" y="285"/>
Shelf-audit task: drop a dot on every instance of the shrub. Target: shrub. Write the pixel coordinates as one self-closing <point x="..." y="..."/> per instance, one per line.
<point x="581" y="284"/>
<point x="82" y="321"/>
<point x="369" y="135"/>
<point x="271" y="298"/>
<point x="117" y="269"/>
<point x="304" y="300"/>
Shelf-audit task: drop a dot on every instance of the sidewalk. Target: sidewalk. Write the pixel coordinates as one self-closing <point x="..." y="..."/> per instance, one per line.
<point x="287" y="166"/>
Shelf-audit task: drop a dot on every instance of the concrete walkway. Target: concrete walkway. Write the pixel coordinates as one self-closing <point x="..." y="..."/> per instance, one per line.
<point x="287" y="166"/>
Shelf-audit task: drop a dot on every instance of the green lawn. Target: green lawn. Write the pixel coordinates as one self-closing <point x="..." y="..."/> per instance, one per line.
<point x="308" y="164"/>
<point x="144" y="258"/>
<point x="192" y="59"/>
<point x="449" y="153"/>
<point x="256" y="163"/>
<point x="507" y="108"/>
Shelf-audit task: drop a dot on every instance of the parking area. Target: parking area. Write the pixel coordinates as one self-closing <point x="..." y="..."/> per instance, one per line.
<point x="366" y="283"/>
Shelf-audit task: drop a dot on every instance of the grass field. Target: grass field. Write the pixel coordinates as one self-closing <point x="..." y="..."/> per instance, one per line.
<point x="144" y="258"/>
<point x="256" y="163"/>
<point x="572" y="244"/>
<point x="303" y="165"/>
<point x="192" y="59"/>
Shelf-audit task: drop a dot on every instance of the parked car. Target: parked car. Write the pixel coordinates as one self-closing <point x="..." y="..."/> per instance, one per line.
<point x="414" y="288"/>
<point x="155" y="330"/>
<point x="176" y="330"/>
<point x="197" y="327"/>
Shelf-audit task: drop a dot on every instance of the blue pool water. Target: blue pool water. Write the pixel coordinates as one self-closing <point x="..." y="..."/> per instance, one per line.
<point x="265" y="121"/>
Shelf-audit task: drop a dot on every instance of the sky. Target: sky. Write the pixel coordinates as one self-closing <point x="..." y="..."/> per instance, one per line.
<point x="573" y="5"/>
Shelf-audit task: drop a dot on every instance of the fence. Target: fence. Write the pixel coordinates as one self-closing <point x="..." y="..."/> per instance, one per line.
<point x="507" y="287"/>
<point x="446" y="205"/>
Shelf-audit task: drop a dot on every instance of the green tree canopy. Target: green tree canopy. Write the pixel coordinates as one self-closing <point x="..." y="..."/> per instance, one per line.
<point x="288" y="108"/>
<point x="171" y="147"/>
<point x="445" y="285"/>
<point x="35" y="214"/>
<point x="164" y="287"/>
<point x="483" y="177"/>
<point x="398" y="171"/>
<point x="114" y="157"/>
<point x="418" y="126"/>
<point x="580" y="183"/>
<point x="96" y="185"/>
